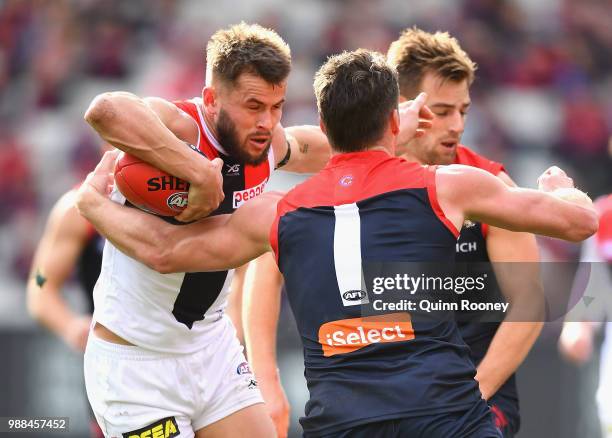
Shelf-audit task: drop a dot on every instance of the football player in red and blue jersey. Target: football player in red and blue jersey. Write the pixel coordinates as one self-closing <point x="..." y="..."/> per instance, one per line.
<point x="436" y="64"/>
<point x="385" y="376"/>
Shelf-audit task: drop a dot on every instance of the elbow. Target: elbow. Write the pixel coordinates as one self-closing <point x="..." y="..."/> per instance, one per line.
<point x="101" y="109"/>
<point x="158" y="257"/>
<point x="591" y="224"/>
<point x="161" y="262"/>
<point x="34" y="306"/>
<point x="586" y="225"/>
<point x="33" y="309"/>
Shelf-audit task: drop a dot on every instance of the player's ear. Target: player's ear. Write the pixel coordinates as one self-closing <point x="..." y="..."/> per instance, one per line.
<point x="395" y="122"/>
<point x="322" y="126"/>
<point x="209" y="99"/>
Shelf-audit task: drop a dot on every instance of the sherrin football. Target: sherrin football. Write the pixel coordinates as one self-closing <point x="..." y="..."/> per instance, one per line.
<point x="149" y="188"/>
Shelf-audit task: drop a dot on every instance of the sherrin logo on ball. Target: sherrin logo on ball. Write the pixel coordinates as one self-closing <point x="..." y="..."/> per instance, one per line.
<point x="177" y="201"/>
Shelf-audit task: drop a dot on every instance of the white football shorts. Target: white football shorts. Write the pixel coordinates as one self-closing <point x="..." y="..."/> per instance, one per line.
<point x="136" y="392"/>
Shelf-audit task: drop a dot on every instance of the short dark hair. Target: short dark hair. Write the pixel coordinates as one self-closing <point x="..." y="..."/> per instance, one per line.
<point x="417" y="52"/>
<point x="356" y="93"/>
<point x="247" y="48"/>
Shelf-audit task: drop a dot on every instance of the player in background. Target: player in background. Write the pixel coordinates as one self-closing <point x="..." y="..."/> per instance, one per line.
<point x="435" y="64"/>
<point x="577" y="341"/>
<point x="69" y="244"/>
<point x="360" y="87"/>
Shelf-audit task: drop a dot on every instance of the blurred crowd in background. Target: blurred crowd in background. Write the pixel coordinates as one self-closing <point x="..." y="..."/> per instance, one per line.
<point x="542" y="95"/>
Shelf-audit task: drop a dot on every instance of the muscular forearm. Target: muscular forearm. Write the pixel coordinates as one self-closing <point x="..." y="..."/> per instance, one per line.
<point x="572" y="221"/>
<point x="135" y="233"/>
<point x="508" y="349"/>
<point x="128" y="123"/>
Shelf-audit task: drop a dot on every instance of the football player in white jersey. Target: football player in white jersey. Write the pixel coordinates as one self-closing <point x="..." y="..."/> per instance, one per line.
<point x="163" y="356"/>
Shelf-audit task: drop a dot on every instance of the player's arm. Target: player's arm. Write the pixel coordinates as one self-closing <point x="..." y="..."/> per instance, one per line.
<point x="576" y="341"/>
<point x="556" y="210"/>
<point x="153" y="130"/>
<point x="300" y="149"/>
<point x="62" y="242"/>
<point x="515" y="261"/>
<point x="216" y="243"/>
<point x="519" y="282"/>
<point x="234" y="301"/>
<point x="212" y="244"/>
<point x="261" y="308"/>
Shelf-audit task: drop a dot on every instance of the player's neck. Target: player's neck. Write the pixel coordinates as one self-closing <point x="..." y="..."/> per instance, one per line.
<point x="380" y="148"/>
<point x="406" y="151"/>
<point x="367" y="149"/>
<point x="411" y="158"/>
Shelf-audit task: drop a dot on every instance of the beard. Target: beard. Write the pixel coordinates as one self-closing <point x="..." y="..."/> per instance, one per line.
<point x="228" y="138"/>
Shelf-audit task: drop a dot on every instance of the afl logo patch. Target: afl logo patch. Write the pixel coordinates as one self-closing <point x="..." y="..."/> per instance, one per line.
<point x="243" y="368"/>
<point x="177" y="201"/>
<point x="346" y="180"/>
<point x="354" y="295"/>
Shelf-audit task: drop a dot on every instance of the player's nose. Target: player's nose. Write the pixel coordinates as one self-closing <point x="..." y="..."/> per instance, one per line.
<point x="457" y="123"/>
<point x="265" y="121"/>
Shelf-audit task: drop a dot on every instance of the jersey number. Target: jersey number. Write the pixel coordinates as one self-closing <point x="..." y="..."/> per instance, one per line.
<point x="347" y="255"/>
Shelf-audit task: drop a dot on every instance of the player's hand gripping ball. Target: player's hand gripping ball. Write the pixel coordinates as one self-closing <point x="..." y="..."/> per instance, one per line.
<point x="149" y="188"/>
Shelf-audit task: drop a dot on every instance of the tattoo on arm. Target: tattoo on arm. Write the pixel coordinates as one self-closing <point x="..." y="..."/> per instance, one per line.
<point x="285" y="160"/>
<point x="40" y="279"/>
<point x="304" y="148"/>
